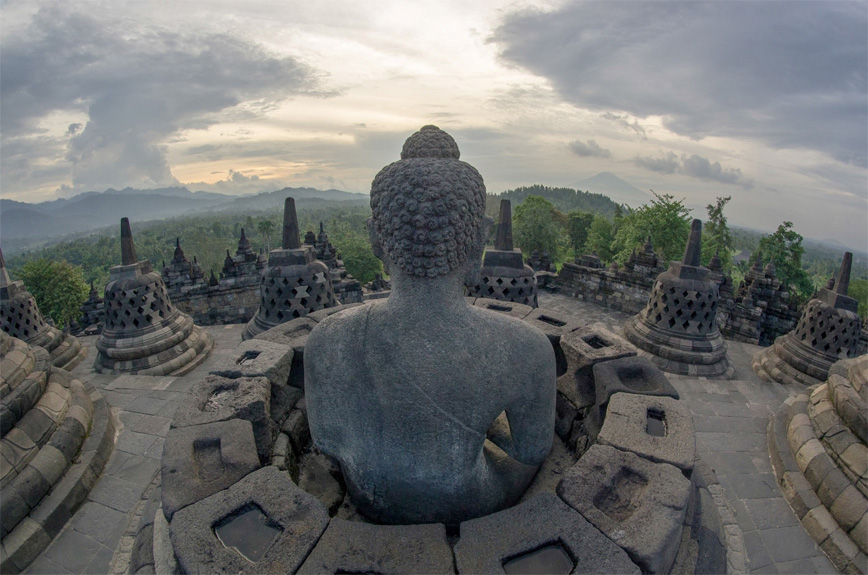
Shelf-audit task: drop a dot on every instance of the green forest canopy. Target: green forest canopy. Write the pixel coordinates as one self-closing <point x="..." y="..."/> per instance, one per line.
<point x="209" y="235"/>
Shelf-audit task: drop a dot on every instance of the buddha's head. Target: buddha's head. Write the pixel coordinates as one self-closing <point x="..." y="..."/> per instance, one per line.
<point x="429" y="209"/>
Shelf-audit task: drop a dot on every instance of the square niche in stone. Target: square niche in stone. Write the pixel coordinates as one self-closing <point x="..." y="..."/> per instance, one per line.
<point x="262" y="524"/>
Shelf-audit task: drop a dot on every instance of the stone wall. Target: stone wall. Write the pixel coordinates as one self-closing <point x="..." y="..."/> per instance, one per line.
<point x="221" y="304"/>
<point x="621" y="290"/>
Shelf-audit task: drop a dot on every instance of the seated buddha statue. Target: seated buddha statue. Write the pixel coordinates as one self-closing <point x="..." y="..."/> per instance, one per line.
<point x="403" y="392"/>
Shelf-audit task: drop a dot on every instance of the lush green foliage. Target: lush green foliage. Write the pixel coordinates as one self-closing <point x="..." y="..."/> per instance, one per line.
<point x="563" y="199"/>
<point x="785" y="248"/>
<point x="206" y="236"/>
<point x="859" y="291"/>
<point x="57" y="286"/>
<point x="716" y="237"/>
<point x="600" y="238"/>
<point x="665" y="219"/>
<point x="535" y="226"/>
<point x="578" y="228"/>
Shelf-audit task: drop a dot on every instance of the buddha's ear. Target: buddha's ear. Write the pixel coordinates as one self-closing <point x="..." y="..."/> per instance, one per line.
<point x="473" y="264"/>
<point x="376" y="246"/>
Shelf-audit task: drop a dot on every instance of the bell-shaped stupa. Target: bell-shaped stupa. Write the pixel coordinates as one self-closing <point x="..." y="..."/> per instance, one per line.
<point x="144" y="333"/>
<point x="293" y="284"/>
<point x="504" y="275"/>
<point x="678" y="329"/>
<point x="20" y="317"/>
<point x="57" y="434"/>
<point x="828" y="331"/>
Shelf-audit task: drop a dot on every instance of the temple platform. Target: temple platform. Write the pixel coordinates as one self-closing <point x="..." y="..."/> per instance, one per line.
<point x="731" y="419"/>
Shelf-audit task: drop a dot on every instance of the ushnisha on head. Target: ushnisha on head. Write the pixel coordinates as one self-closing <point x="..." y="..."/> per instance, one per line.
<point x="429" y="207"/>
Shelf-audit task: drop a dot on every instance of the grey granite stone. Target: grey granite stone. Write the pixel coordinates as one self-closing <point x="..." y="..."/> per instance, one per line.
<point x="217" y="398"/>
<point x="638" y="504"/>
<point x="624" y="375"/>
<point x="355" y="547"/>
<point x="583" y="348"/>
<point x="200" y="460"/>
<point x="627" y="428"/>
<point x="488" y="542"/>
<point x="257" y="358"/>
<point x="295" y="519"/>
<point x="402" y="391"/>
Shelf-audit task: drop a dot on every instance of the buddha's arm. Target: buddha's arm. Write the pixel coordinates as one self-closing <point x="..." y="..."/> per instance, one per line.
<point x="532" y="414"/>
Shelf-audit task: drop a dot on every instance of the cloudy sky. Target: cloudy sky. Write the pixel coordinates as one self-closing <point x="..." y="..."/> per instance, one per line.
<point x="766" y="102"/>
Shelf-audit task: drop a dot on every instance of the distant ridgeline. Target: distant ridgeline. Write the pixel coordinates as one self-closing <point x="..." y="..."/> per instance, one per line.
<point x="564" y="199"/>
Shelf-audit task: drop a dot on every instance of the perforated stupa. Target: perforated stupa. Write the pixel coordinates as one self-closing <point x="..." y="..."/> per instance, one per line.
<point x="144" y="333"/>
<point x="678" y="329"/>
<point x="20" y="317"/>
<point x="293" y="284"/>
<point x="828" y="331"/>
<point x="504" y="274"/>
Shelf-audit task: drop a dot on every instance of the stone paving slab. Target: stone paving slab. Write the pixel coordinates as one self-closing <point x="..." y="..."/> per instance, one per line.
<point x="730" y="418"/>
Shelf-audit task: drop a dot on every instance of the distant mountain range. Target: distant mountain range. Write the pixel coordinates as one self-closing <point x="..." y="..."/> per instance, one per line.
<point x="608" y="184"/>
<point x="93" y="210"/>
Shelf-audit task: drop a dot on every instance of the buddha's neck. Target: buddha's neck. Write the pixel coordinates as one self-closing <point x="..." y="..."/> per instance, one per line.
<point x="426" y="295"/>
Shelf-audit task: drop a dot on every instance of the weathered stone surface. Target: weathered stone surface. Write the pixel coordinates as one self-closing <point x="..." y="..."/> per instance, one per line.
<point x="294" y="334"/>
<point x="627" y="427"/>
<point x="144" y="333"/>
<point x="257" y="358"/>
<point x="638" y="504"/>
<point x="355" y="547"/>
<point x="402" y="391"/>
<point x="297" y="516"/>
<point x="678" y="329"/>
<point x="488" y="542"/>
<point x="635" y="375"/>
<point x="583" y="348"/>
<point x="828" y="330"/>
<point x="317" y="477"/>
<point x="217" y="398"/>
<point x="200" y="460"/>
<point x="293" y="284"/>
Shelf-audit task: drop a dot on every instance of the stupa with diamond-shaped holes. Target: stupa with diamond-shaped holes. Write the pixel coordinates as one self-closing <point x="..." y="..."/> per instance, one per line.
<point x="20" y="317"/>
<point x="293" y="284"/>
<point x="504" y="275"/>
<point x="678" y="330"/>
<point x="828" y="331"/>
<point x="144" y="333"/>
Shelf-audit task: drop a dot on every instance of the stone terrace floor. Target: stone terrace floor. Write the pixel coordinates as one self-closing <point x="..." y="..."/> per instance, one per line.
<point x="730" y="417"/>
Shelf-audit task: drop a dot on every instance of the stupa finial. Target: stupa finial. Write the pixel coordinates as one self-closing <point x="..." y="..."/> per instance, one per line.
<point x="128" y="248"/>
<point x="503" y="240"/>
<point x="291" y="239"/>
<point x="693" y="250"/>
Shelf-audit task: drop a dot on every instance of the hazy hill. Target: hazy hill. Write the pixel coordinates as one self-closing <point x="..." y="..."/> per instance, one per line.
<point x="564" y="199"/>
<point x="608" y="184"/>
<point x="269" y="200"/>
<point x="23" y="225"/>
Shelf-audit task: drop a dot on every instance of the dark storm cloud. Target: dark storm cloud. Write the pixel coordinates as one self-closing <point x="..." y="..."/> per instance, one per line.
<point x="790" y="74"/>
<point x="694" y="166"/>
<point x="589" y="149"/>
<point x="138" y="86"/>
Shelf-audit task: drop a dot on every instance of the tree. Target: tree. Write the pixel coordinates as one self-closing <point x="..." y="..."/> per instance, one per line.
<point x="600" y="238"/>
<point x="57" y="286"/>
<point x="665" y="219"/>
<point x="785" y="248"/>
<point x="535" y="226"/>
<point x="358" y="257"/>
<point x="716" y="238"/>
<point x="859" y="291"/>
<point x="578" y="227"/>
<point x="265" y="227"/>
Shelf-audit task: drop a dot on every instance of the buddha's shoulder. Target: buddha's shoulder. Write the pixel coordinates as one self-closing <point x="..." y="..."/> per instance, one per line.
<point x="345" y="324"/>
<point x="511" y="329"/>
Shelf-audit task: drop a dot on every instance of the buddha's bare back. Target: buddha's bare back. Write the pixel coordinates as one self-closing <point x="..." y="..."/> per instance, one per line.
<point x="415" y="392"/>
